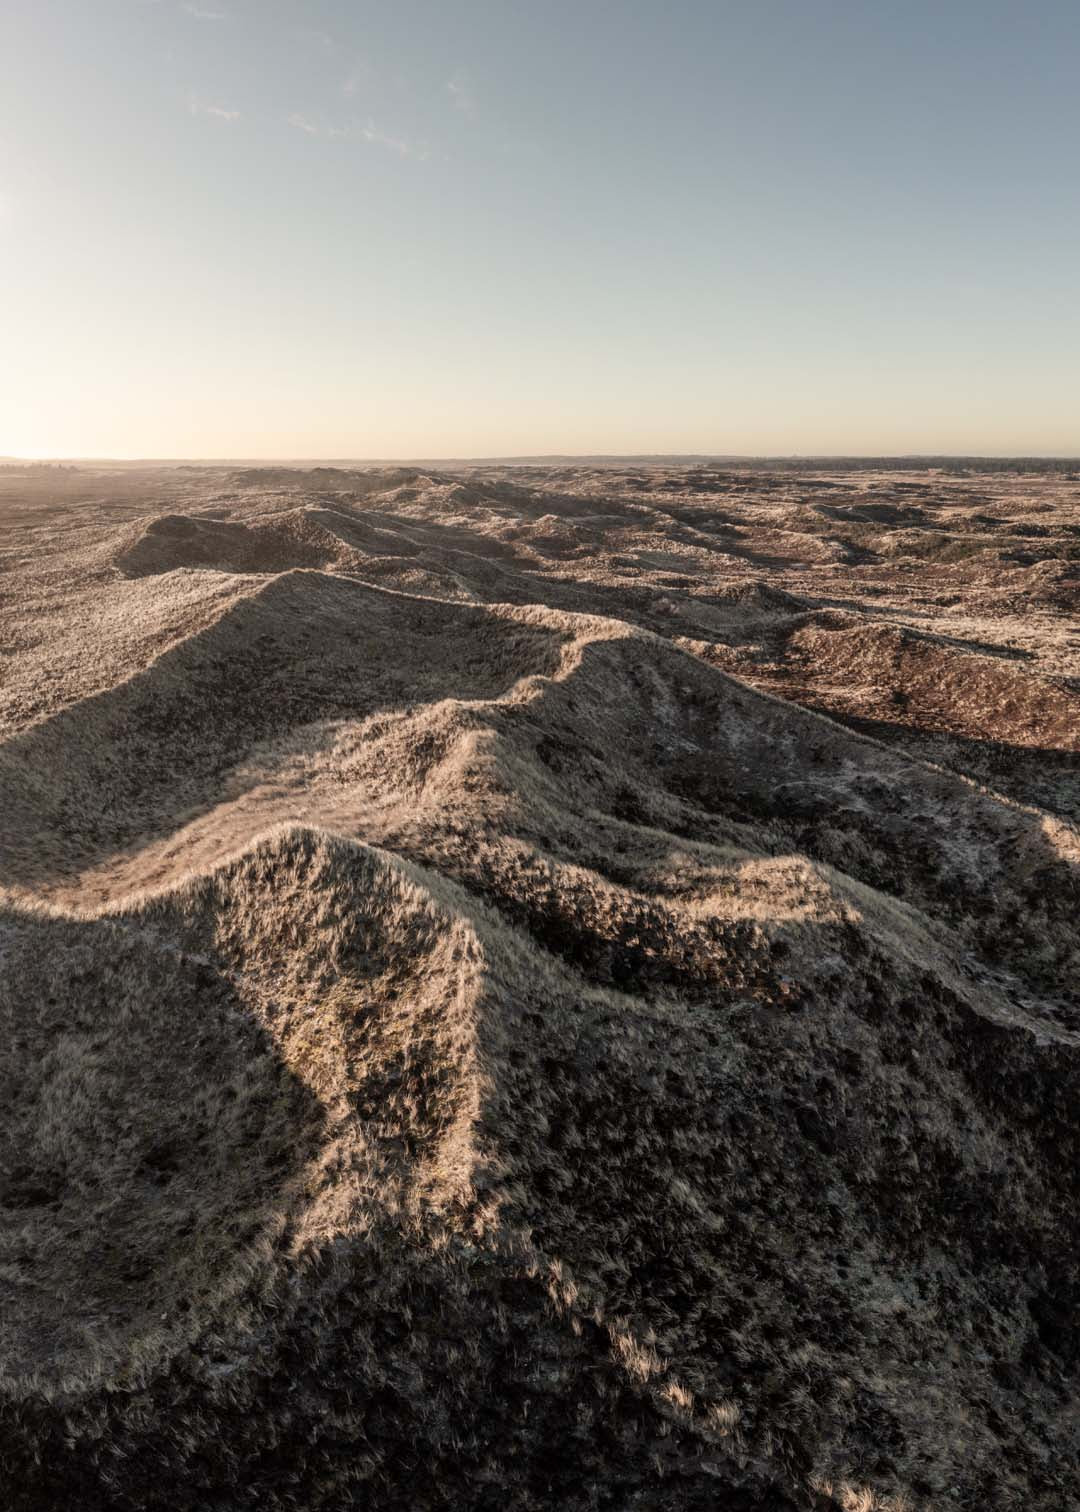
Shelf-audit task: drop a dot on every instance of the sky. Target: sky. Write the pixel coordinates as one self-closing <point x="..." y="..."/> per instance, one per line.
<point x="454" y="228"/>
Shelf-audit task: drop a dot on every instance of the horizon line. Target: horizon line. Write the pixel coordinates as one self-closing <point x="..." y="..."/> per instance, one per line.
<point x="511" y="458"/>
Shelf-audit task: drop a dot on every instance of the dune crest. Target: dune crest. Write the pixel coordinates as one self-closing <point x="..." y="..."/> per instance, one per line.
<point x="559" y="985"/>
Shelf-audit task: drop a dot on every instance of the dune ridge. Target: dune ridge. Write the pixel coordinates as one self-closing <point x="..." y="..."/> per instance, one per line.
<point x="547" y="990"/>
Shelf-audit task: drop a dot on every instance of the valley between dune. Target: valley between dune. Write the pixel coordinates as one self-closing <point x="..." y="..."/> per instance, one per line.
<point x="539" y="987"/>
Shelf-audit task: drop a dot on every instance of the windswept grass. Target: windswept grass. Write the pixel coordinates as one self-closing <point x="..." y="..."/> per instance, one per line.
<point x="468" y="1043"/>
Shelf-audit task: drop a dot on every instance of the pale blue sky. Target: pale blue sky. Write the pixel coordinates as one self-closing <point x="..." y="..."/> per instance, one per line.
<point x="427" y="228"/>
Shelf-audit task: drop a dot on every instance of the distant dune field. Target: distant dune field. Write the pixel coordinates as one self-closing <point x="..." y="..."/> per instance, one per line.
<point x="539" y="987"/>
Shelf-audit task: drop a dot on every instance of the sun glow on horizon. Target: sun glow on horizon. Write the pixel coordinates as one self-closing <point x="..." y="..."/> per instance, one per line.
<point x="396" y="240"/>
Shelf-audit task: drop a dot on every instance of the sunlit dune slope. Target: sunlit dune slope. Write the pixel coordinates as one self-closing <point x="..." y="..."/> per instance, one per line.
<point x="472" y="1044"/>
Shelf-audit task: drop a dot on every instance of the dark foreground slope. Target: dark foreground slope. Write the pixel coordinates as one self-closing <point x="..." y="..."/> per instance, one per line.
<point x="468" y="1052"/>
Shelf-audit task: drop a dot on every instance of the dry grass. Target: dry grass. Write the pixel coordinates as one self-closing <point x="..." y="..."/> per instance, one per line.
<point x="466" y="1048"/>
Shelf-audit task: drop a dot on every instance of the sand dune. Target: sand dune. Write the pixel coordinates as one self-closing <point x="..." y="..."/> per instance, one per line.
<point x="168" y="542"/>
<point x="472" y="1043"/>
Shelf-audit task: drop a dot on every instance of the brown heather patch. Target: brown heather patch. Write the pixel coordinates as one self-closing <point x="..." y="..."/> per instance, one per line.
<point x="468" y="1043"/>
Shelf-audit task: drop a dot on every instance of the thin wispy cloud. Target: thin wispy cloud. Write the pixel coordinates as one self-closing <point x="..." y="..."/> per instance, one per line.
<point x="316" y="128"/>
<point x="460" y="92"/>
<point x="400" y="145"/>
<point x="199" y="107"/>
<point x="368" y="132"/>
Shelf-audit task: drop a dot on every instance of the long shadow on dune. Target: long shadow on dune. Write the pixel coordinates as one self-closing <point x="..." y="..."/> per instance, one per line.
<point x="788" y="776"/>
<point x="1044" y="776"/>
<point x="836" y="1210"/>
<point x="893" y="612"/>
<point x="511" y="574"/>
<point x="151" y="1142"/>
<point x="125" y="765"/>
<point x="509" y="570"/>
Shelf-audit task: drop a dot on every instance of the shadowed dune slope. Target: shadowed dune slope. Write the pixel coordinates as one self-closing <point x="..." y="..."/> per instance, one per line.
<point x="477" y="1049"/>
<point x="168" y="542"/>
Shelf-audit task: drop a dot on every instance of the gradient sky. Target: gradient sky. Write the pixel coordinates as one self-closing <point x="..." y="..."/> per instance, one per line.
<point x="246" y="228"/>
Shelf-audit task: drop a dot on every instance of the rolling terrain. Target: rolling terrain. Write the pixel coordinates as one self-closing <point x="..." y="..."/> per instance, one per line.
<point x="530" y="987"/>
